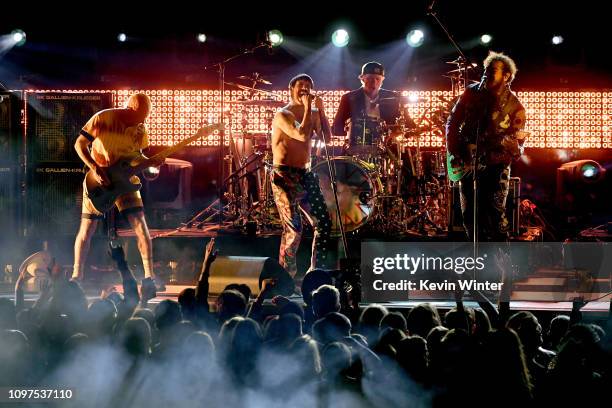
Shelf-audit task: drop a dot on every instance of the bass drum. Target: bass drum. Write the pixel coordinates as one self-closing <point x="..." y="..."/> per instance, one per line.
<point x="357" y="184"/>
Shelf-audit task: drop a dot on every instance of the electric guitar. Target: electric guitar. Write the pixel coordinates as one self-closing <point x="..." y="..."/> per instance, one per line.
<point x="103" y="197"/>
<point x="456" y="172"/>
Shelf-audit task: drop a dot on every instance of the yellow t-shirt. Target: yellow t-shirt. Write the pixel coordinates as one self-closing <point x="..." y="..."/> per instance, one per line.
<point x="113" y="139"/>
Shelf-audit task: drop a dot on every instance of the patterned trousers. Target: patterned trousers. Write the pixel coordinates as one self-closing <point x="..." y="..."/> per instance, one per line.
<point x="297" y="193"/>
<point x="493" y="184"/>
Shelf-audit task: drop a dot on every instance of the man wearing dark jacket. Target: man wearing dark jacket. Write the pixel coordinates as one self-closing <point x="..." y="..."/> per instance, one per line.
<point x="366" y="107"/>
<point x="487" y="123"/>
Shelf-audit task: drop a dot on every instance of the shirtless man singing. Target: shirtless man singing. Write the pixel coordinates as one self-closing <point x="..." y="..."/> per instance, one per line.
<point x="296" y="189"/>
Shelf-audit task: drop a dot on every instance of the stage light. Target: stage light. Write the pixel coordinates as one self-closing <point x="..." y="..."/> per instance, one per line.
<point x="557" y="39"/>
<point x="122" y="37"/>
<point x="275" y="37"/>
<point x="415" y="38"/>
<point x="580" y="186"/>
<point x="485" y="38"/>
<point x="587" y="171"/>
<point x="201" y="38"/>
<point x="590" y="171"/>
<point x="340" y="38"/>
<point x="19" y="37"/>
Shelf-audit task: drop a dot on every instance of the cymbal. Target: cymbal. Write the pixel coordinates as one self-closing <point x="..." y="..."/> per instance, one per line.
<point x="249" y="89"/>
<point x="249" y="135"/>
<point x="255" y="78"/>
<point x="403" y="99"/>
<point x="260" y="102"/>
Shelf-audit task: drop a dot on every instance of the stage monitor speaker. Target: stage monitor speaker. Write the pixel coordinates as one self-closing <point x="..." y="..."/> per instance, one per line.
<point x="54" y="120"/>
<point x="250" y="271"/>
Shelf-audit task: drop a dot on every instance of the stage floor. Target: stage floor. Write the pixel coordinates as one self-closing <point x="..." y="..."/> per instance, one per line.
<point x="92" y="290"/>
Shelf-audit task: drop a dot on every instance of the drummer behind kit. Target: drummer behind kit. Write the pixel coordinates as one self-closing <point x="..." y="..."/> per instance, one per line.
<point x="383" y="185"/>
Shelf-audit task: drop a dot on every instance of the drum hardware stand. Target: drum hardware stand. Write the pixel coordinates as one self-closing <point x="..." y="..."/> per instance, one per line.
<point x="220" y="66"/>
<point x="210" y="212"/>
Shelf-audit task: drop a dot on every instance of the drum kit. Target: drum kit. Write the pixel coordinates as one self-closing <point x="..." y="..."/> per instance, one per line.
<point x="386" y="182"/>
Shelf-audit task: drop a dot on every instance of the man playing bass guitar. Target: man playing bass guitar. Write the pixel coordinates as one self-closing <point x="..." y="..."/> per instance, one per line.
<point x="113" y="135"/>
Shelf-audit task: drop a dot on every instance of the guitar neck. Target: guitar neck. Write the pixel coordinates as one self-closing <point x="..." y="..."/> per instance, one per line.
<point x="173" y="149"/>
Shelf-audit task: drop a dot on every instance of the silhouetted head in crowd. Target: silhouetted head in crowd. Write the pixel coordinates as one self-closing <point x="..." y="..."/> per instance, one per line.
<point x="242" y="288"/>
<point x="227" y="331"/>
<point x="312" y="281"/>
<point x="198" y="353"/>
<point x="55" y="330"/>
<point x="167" y="314"/>
<point x="135" y="337"/>
<point x="200" y="343"/>
<point x="306" y="352"/>
<point x="7" y="314"/>
<point x="456" y="354"/>
<point x="369" y="322"/>
<point x="76" y="342"/>
<point x="187" y="300"/>
<point x="434" y="341"/>
<point x="283" y="330"/>
<point x="326" y="299"/>
<point x="505" y="367"/>
<point x="230" y="303"/>
<point x="482" y="324"/>
<point x="529" y="330"/>
<point x="389" y="339"/>
<point x="580" y="352"/>
<point x="558" y="328"/>
<point x="124" y="310"/>
<point x="243" y="352"/>
<point x="333" y="327"/>
<point x="456" y="319"/>
<point x="421" y="319"/>
<point x="412" y="355"/>
<point x="149" y="316"/>
<point x="180" y="332"/>
<point x="335" y="361"/>
<point x="68" y="298"/>
<point x="101" y="318"/>
<point x="292" y="308"/>
<point x="14" y="358"/>
<point x="394" y="320"/>
<point x="116" y="298"/>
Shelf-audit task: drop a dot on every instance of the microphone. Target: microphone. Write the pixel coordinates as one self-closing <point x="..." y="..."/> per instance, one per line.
<point x="430" y="7"/>
<point x="483" y="82"/>
<point x="267" y="42"/>
<point x="314" y="94"/>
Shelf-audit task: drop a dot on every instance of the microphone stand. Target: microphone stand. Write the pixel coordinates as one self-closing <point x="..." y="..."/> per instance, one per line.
<point x="332" y="178"/>
<point x="463" y="61"/>
<point x="221" y="70"/>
